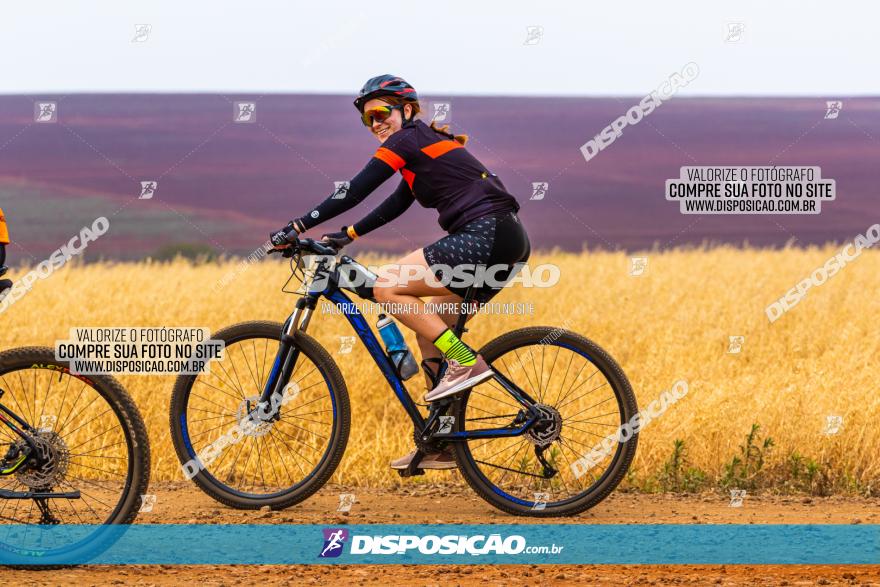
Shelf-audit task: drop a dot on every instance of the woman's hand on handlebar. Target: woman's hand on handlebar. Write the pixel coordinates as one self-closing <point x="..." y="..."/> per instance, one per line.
<point x="286" y="242"/>
<point x="281" y="239"/>
<point x="337" y="239"/>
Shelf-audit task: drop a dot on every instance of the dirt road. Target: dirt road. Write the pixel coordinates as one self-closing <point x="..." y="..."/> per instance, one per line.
<point x="181" y="503"/>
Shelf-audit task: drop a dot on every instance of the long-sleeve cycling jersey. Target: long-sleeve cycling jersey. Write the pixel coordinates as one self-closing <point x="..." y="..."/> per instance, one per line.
<point x="437" y="171"/>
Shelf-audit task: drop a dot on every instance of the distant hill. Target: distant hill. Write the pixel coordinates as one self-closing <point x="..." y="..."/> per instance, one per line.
<point x="42" y="218"/>
<point x="228" y="184"/>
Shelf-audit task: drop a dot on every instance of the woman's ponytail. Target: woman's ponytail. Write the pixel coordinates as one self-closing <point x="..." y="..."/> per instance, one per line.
<point x="444" y="130"/>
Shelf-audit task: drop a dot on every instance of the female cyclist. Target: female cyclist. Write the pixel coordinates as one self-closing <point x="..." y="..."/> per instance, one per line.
<point x="475" y="210"/>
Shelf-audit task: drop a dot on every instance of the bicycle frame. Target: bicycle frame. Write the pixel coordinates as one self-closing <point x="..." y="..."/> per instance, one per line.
<point x="22" y="432"/>
<point x="286" y="357"/>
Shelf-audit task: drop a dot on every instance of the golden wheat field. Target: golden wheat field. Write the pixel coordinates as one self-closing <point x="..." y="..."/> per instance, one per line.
<point x="817" y="361"/>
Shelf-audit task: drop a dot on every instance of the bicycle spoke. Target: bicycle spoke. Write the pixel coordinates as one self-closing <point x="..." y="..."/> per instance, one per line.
<point x="564" y="444"/>
<point x="565" y="378"/>
<point x="579" y="386"/>
<point x="550" y="375"/>
<point x="237" y="399"/>
<point x="586" y="431"/>
<point x="114" y="427"/>
<point x="241" y="394"/>
<point x="290" y="450"/>
<point x="81" y="426"/>
<point x="581" y="370"/>
<point x="281" y="457"/>
<point x="590" y="408"/>
<point x="45" y="399"/>
<point x="304" y="430"/>
<point x="541" y="381"/>
<point x="248" y="365"/>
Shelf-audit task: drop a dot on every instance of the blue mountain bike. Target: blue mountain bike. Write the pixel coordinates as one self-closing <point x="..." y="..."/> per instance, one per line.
<point x="516" y="437"/>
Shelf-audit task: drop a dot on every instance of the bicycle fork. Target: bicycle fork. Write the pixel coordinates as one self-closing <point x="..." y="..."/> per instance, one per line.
<point x="287" y="355"/>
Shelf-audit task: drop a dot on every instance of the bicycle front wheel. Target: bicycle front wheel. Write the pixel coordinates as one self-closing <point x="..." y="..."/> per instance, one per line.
<point x="278" y="462"/>
<point x="583" y="397"/>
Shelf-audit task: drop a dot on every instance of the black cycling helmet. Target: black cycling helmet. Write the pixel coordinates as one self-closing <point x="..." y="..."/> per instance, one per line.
<point x="385" y="85"/>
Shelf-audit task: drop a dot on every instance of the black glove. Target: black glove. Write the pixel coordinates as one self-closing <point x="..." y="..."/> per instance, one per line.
<point x="282" y="238"/>
<point x="338" y="239"/>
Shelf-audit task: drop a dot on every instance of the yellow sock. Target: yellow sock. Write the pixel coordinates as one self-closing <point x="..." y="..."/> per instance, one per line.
<point x="453" y="348"/>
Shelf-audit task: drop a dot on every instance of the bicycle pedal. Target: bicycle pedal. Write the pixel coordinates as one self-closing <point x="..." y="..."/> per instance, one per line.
<point x="414" y="473"/>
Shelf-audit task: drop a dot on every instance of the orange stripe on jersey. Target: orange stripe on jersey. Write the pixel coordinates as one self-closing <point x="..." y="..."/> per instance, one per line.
<point x="4" y="232"/>
<point x="394" y="160"/>
<point x="441" y="148"/>
<point x="409" y="176"/>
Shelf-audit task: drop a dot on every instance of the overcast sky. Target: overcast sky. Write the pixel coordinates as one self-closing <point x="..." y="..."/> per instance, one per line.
<point x="464" y="47"/>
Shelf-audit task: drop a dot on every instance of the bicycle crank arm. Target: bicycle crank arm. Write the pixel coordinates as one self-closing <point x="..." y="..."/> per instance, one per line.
<point x="6" y="494"/>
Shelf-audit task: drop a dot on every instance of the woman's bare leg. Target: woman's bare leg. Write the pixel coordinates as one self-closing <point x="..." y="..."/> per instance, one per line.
<point x="412" y="311"/>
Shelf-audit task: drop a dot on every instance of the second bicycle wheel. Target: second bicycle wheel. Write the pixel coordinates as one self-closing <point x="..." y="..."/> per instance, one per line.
<point x="87" y="471"/>
<point x="277" y="463"/>
<point x="582" y="395"/>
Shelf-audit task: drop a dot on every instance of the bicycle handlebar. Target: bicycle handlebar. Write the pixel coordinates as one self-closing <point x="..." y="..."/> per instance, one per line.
<point x="309" y="245"/>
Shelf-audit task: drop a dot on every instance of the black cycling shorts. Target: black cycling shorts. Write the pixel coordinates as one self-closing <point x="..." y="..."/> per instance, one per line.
<point x="476" y="250"/>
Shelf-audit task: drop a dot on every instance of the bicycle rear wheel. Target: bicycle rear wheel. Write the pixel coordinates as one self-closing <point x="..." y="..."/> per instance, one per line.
<point x="583" y="396"/>
<point x="91" y="441"/>
<point x="277" y="463"/>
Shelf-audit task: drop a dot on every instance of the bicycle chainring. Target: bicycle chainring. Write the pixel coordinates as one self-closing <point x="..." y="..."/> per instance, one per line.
<point x="430" y="446"/>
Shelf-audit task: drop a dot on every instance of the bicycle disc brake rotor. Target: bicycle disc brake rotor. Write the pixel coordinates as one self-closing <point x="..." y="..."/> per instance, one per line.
<point x="547" y="428"/>
<point x="51" y="461"/>
<point x="251" y="426"/>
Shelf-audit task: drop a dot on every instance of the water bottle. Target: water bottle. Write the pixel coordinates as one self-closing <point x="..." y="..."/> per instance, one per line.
<point x="395" y="345"/>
